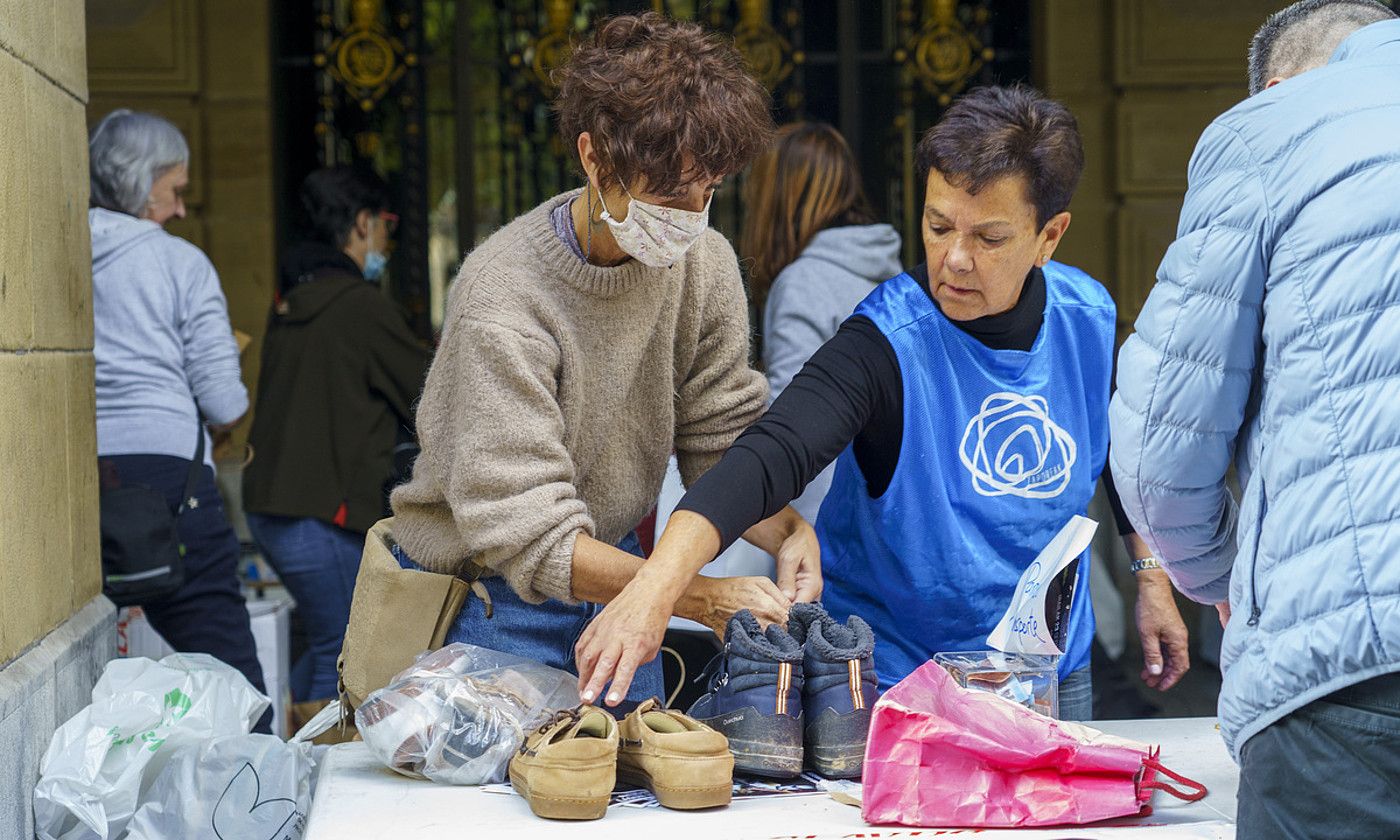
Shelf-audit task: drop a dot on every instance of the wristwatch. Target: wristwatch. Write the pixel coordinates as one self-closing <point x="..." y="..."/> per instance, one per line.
<point x="1145" y="563"/>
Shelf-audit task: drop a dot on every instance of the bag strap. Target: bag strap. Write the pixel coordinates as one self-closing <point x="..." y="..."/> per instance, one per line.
<point x="195" y="466"/>
<point x="1197" y="790"/>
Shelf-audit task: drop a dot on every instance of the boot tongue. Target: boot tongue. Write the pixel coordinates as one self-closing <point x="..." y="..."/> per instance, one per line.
<point x="802" y="619"/>
<point x="781" y="639"/>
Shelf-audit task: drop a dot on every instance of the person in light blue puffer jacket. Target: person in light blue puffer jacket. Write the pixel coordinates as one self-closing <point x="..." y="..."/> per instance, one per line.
<point x="1272" y="339"/>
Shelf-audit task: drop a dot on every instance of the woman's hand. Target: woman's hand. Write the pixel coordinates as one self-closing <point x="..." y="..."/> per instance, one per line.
<point x="626" y="635"/>
<point x="713" y="601"/>
<point x="1223" y="608"/>
<point x="791" y="540"/>
<point x="800" y="564"/>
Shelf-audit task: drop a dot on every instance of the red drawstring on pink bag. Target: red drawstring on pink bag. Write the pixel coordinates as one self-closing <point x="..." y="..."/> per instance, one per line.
<point x="1151" y="766"/>
<point x="943" y="756"/>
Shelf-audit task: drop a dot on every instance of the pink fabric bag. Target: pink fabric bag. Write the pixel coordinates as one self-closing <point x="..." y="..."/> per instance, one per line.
<point x="942" y="755"/>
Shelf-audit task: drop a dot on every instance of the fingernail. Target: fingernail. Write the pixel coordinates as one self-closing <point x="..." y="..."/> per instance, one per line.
<point x="1154" y="669"/>
<point x="588" y="697"/>
<point x="613" y="698"/>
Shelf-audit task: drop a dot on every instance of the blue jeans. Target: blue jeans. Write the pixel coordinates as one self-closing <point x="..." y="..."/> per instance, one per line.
<point x="1077" y="696"/>
<point x="207" y="614"/>
<point x="543" y="632"/>
<point x="317" y="562"/>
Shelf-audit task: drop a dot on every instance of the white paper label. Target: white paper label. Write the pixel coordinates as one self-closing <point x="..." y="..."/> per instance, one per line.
<point x="1024" y="629"/>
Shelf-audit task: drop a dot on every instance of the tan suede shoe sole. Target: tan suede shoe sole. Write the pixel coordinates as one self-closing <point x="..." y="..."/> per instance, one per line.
<point x="684" y="762"/>
<point x="567" y="768"/>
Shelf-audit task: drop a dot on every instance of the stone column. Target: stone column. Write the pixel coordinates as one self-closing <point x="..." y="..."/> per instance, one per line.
<point x="55" y="628"/>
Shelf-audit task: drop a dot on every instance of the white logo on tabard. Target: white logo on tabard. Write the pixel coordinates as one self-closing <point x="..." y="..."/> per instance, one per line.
<point x="1013" y="448"/>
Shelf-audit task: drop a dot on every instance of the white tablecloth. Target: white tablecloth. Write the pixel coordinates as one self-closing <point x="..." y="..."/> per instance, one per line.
<point x="357" y="798"/>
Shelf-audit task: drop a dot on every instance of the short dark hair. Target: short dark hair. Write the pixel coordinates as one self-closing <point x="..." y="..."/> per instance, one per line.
<point x="665" y="102"/>
<point x="994" y="132"/>
<point x="1304" y="35"/>
<point x="334" y="197"/>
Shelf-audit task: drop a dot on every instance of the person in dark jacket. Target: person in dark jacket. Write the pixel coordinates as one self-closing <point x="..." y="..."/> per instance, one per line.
<point x="340" y="373"/>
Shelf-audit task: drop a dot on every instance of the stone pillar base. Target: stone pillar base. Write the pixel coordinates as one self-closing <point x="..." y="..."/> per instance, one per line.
<point x="39" y="691"/>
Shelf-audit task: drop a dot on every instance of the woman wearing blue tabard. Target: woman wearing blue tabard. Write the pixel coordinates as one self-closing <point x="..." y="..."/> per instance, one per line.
<point x="965" y="404"/>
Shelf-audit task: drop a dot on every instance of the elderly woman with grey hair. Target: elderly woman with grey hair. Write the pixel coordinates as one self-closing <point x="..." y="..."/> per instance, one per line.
<point x="167" y="364"/>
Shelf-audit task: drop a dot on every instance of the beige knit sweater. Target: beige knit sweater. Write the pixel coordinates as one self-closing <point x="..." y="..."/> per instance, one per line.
<point x="558" y="392"/>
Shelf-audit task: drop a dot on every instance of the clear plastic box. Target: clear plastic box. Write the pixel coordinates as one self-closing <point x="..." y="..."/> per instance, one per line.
<point x="1028" y="679"/>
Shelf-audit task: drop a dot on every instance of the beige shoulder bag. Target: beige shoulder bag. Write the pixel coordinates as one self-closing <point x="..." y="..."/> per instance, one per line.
<point x="396" y="614"/>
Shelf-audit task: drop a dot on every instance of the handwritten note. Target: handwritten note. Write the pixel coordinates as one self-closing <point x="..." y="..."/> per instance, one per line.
<point x="1022" y="629"/>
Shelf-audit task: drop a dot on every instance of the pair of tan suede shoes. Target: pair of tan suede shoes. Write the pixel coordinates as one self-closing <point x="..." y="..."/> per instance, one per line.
<point x="568" y="767"/>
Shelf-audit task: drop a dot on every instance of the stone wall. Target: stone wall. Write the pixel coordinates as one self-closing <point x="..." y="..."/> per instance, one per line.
<point x="1144" y="77"/>
<point x="48" y="447"/>
<point x="56" y="631"/>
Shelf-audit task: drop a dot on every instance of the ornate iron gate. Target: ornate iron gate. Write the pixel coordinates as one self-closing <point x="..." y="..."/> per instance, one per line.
<point x="880" y="70"/>
<point x="450" y="100"/>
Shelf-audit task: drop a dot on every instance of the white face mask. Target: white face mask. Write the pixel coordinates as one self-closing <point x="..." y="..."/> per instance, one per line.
<point x="655" y="235"/>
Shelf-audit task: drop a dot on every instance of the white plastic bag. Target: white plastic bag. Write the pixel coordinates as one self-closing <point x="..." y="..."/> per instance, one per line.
<point x="101" y="761"/>
<point x="458" y="714"/>
<point x="250" y="787"/>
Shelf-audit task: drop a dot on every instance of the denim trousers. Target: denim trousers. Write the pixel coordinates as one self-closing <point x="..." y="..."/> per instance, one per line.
<point x="1328" y="770"/>
<point x="543" y="632"/>
<point x="1077" y="695"/>
<point x="207" y="614"/>
<point x="317" y="562"/>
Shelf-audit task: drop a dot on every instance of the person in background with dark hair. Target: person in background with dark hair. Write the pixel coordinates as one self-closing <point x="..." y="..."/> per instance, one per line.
<point x="815" y="251"/>
<point x="967" y="401"/>
<point x="340" y="373"/>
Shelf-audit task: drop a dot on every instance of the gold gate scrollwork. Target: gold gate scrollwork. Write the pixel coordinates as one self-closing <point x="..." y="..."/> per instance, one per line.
<point x="768" y="53"/>
<point x="944" y="55"/>
<point x="543" y="55"/>
<point x="365" y="59"/>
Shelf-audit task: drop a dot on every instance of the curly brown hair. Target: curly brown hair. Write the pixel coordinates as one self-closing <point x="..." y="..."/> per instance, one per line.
<point x="665" y="102"/>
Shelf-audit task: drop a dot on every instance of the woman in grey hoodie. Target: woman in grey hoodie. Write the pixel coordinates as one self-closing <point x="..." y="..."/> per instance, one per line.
<point x="815" y="251"/>
<point x="166" y="364"/>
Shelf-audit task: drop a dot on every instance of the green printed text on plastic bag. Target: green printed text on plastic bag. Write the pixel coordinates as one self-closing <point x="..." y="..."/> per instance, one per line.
<point x="176" y="705"/>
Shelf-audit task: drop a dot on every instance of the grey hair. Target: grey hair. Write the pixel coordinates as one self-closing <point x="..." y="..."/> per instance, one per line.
<point x="1304" y="35"/>
<point x="127" y="152"/>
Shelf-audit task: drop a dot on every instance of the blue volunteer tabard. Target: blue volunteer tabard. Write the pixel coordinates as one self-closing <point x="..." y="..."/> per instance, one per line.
<point x="1000" y="449"/>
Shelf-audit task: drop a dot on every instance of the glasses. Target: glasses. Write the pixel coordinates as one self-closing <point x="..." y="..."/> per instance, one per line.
<point x="390" y="220"/>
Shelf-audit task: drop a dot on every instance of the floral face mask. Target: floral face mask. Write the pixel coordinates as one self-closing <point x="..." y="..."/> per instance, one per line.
<point x="655" y="235"/>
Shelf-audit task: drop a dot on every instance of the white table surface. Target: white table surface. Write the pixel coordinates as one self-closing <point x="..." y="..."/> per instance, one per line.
<point x="358" y="799"/>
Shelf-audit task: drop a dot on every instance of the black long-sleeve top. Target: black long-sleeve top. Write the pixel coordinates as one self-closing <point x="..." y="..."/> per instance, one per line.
<point x="849" y="393"/>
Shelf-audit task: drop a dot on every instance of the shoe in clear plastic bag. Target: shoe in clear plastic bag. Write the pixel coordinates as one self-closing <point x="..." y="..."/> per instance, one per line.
<point x="458" y="714"/>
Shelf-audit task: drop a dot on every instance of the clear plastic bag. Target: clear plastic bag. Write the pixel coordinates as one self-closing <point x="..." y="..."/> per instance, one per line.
<point x="458" y="714"/>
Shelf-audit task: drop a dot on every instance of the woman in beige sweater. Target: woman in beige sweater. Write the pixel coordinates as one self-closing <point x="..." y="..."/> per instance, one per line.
<point x="587" y="341"/>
